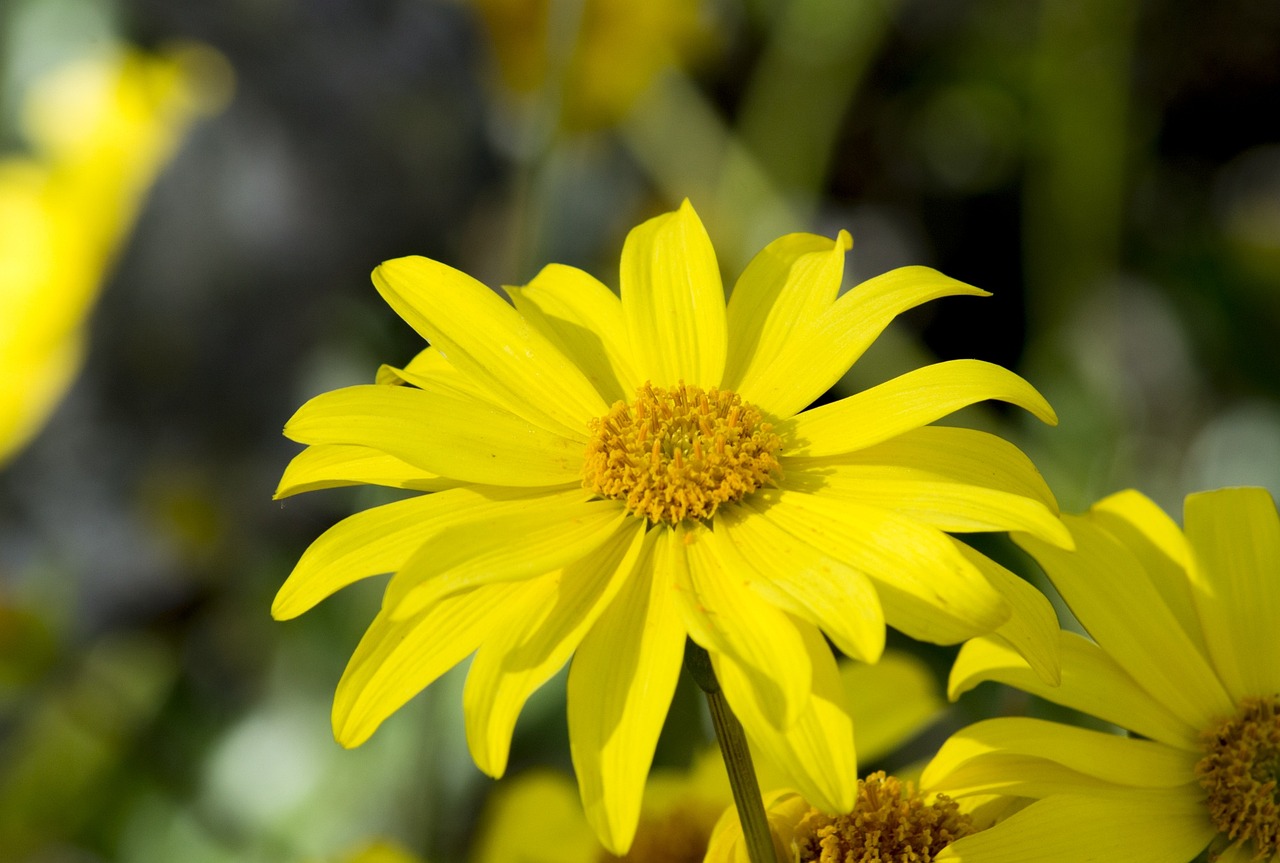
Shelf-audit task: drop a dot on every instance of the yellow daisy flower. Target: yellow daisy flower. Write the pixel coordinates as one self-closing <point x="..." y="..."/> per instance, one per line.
<point x="613" y="476"/>
<point x="1184" y="655"/>
<point x="537" y="817"/>
<point x="101" y="129"/>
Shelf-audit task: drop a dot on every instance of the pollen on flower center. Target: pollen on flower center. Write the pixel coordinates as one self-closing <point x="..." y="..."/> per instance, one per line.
<point x="890" y="822"/>
<point x="1241" y="770"/>
<point x="680" y="453"/>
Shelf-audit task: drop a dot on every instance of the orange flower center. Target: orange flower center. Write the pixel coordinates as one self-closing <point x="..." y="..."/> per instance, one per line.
<point x="1240" y="772"/>
<point x="680" y="453"/>
<point x="889" y="822"/>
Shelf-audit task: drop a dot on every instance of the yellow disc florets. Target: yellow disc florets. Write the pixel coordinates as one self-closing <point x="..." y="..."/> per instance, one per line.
<point x="890" y="822"/>
<point x="1240" y="771"/>
<point x="680" y="453"/>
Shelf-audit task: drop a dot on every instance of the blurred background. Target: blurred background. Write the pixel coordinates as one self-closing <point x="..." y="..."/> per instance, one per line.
<point x="1108" y="169"/>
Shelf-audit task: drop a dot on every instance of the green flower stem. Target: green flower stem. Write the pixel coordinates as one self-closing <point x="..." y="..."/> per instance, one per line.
<point x="737" y="758"/>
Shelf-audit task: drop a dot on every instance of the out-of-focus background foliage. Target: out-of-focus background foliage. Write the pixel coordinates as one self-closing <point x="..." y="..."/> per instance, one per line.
<point x="1109" y="169"/>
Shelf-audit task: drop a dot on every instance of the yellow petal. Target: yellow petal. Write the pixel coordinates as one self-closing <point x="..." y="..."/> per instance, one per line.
<point x="905" y="403"/>
<point x="1032" y="627"/>
<point x="804" y="581"/>
<point x="333" y="465"/>
<point x="582" y="318"/>
<point x="488" y="341"/>
<point x="1091" y="682"/>
<point x="443" y="432"/>
<point x="890" y="701"/>
<point x="1139" y="827"/>
<point x="620" y="686"/>
<point x="724" y="615"/>
<point x="1158" y="543"/>
<point x="507" y="538"/>
<point x="518" y="659"/>
<point x="371" y="542"/>
<point x="985" y="752"/>
<point x="673" y="300"/>
<point x="1110" y="594"/>
<point x="816" y="752"/>
<point x="397" y="659"/>
<point x="825" y="349"/>
<point x="785" y="289"/>
<point x="927" y="588"/>
<point x="1235" y="534"/>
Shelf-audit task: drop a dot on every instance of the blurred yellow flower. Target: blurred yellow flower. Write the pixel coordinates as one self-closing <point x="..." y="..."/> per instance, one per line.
<point x="537" y="817"/>
<point x="615" y="476"/>
<point x="1184" y="655"/>
<point x="380" y="851"/>
<point x="100" y="131"/>
<point x="600" y="55"/>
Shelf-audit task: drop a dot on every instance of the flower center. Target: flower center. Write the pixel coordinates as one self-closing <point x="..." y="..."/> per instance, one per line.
<point x="679" y="453"/>
<point x="680" y="835"/>
<point x="1240" y="772"/>
<point x="889" y="822"/>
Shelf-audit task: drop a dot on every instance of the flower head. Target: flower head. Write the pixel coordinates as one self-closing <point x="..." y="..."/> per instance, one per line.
<point x="1183" y="653"/>
<point x="890" y="821"/>
<point x="613" y="476"/>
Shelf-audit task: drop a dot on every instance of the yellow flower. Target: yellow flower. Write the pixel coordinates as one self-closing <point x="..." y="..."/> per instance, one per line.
<point x="1184" y="655"/>
<point x="101" y="130"/>
<point x="537" y="816"/>
<point x="614" y="476"/>
<point x="890" y="821"/>
<point x="602" y="58"/>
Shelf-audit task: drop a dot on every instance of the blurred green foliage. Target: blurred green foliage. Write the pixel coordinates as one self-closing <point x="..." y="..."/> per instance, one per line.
<point x="1109" y="170"/>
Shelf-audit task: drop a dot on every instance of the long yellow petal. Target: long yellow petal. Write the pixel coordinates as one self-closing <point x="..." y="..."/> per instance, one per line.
<point x="620" y="686"/>
<point x="1160" y="546"/>
<point x="1139" y="827"/>
<point x="785" y="289"/>
<point x="673" y="300"/>
<point x="825" y="349"/>
<point x="333" y="465"/>
<point x="944" y="454"/>
<point x="582" y="318"/>
<point x="1235" y="534"/>
<point x="1091" y="682"/>
<point x="986" y="748"/>
<point x="371" y="542"/>
<point x="806" y="582"/>
<point x="1113" y="598"/>
<point x="443" y="432"/>
<point x="508" y="539"/>
<point x="724" y="615"/>
<point x="397" y="659"/>
<point x="907" y="402"/>
<point x="1032" y="627"/>
<point x="487" y="340"/>
<point x="509" y="667"/>
<point x="816" y="752"/>
<point x="928" y="589"/>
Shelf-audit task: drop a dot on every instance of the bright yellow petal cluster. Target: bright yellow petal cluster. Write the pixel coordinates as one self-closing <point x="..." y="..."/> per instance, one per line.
<point x="100" y="129"/>
<point x="516" y="558"/>
<point x="537" y="816"/>
<point x="1183" y="653"/>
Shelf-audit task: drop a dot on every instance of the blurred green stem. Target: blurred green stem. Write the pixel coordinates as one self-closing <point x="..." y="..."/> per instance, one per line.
<point x="737" y="758"/>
